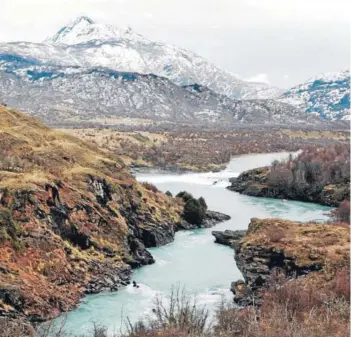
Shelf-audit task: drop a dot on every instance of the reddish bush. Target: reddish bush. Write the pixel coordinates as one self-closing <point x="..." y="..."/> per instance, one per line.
<point x="150" y="187"/>
<point x="342" y="213"/>
<point x="315" y="165"/>
<point x="341" y="284"/>
<point x="275" y="234"/>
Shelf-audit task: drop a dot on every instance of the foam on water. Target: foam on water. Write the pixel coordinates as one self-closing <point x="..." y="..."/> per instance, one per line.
<point x="141" y="290"/>
<point x="216" y="179"/>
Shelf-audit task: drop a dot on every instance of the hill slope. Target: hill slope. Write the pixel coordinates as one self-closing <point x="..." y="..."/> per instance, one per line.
<point x="73" y="220"/>
<point x="74" y="95"/>
<point x="326" y="95"/>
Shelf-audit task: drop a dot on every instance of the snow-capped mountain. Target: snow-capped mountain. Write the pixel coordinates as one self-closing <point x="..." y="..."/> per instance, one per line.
<point x="326" y="95"/>
<point x="88" y="44"/>
<point x="84" y="30"/>
<point x="73" y="94"/>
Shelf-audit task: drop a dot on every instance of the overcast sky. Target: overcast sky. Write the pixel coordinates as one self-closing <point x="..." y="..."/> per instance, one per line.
<point x="281" y="41"/>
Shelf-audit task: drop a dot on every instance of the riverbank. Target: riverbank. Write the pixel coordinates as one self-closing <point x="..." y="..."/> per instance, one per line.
<point x="192" y="259"/>
<point x="319" y="175"/>
<point x="293" y="249"/>
<point x="195" y="151"/>
<point x="73" y="221"/>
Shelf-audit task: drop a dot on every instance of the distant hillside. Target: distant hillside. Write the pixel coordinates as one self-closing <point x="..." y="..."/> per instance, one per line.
<point x="326" y="95"/>
<point x="59" y="94"/>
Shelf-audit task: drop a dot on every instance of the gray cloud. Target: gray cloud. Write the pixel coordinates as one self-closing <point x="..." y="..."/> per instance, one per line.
<point x="288" y="40"/>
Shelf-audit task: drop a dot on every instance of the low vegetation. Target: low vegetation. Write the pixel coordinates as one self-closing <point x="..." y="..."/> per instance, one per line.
<point x="194" y="209"/>
<point x="203" y="151"/>
<point x="314" y="167"/>
<point x="319" y="174"/>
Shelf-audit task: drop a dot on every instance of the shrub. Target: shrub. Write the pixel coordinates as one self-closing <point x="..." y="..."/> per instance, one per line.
<point x="150" y="187"/>
<point x="177" y="315"/>
<point x="194" y="212"/>
<point x="275" y="234"/>
<point x="9" y="228"/>
<point x="341" y="283"/>
<point x="342" y="213"/>
<point x="185" y="196"/>
<point x="203" y="203"/>
<point x="169" y="194"/>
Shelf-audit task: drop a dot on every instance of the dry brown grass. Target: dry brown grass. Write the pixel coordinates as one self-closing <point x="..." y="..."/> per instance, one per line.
<point x="202" y="151"/>
<point x="306" y="242"/>
<point x="49" y="171"/>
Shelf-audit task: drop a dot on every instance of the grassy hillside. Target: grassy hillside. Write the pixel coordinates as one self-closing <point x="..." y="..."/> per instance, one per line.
<point x="72" y="219"/>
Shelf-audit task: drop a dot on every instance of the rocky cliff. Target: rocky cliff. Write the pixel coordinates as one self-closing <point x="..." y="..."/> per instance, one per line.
<point x="292" y="248"/>
<point x="73" y="220"/>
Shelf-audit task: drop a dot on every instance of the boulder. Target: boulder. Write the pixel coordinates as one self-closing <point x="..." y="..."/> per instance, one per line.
<point x="228" y="237"/>
<point x="243" y="294"/>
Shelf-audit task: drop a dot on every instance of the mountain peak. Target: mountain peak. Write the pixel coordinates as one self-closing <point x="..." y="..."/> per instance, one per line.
<point x="327" y="95"/>
<point x="83" y="20"/>
<point x="84" y="29"/>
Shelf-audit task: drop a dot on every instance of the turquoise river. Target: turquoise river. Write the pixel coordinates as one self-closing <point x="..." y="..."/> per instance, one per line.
<point x="193" y="260"/>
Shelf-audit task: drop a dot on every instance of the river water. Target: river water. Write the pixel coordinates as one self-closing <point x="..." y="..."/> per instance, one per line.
<point x="193" y="260"/>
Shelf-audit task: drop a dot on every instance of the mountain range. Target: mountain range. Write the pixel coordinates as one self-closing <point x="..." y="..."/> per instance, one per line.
<point x="60" y="94"/>
<point x="326" y="95"/>
<point x="89" y="70"/>
<point x="88" y="44"/>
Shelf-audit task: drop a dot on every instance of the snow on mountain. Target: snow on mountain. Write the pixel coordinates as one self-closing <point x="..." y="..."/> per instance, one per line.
<point x="326" y="95"/>
<point x="88" y="44"/>
<point x="83" y="30"/>
<point x="75" y="95"/>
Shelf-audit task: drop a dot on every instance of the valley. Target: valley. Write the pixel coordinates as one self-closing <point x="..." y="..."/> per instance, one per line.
<point x="126" y="161"/>
<point x="201" y="151"/>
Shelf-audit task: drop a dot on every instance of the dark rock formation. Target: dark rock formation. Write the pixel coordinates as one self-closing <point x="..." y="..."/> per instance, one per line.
<point x="107" y="277"/>
<point x="141" y="256"/>
<point x="211" y="219"/>
<point x="228" y="237"/>
<point x="243" y="294"/>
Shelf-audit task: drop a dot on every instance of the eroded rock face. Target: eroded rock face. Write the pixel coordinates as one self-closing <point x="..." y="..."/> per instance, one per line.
<point x="107" y="277"/>
<point x="76" y="244"/>
<point x="212" y="218"/>
<point x="243" y="294"/>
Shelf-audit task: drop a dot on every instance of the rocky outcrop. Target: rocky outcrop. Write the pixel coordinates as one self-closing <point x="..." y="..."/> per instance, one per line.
<point x="292" y="248"/>
<point x="228" y="237"/>
<point x="92" y="252"/>
<point x="106" y="277"/>
<point x="211" y="219"/>
<point x="255" y="183"/>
